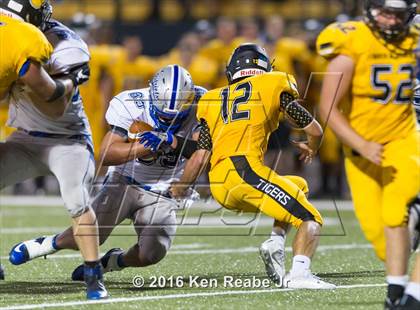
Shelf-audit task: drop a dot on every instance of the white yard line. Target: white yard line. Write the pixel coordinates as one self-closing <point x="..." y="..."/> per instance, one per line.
<point x="57" y="202"/>
<point x="321" y="248"/>
<point x="170" y="296"/>
<point x="204" y="222"/>
<point x="29" y="230"/>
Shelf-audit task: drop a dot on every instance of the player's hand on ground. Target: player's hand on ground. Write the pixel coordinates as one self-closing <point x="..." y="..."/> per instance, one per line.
<point x="372" y="151"/>
<point x="80" y="74"/>
<point x="306" y="153"/>
<point x="154" y="139"/>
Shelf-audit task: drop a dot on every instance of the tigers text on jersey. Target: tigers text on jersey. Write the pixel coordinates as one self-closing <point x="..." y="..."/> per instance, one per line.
<point x="69" y="52"/>
<point x="382" y="84"/>
<point x="20" y="42"/>
<point x="242" y="116"/>
<point x="157" y="173"/>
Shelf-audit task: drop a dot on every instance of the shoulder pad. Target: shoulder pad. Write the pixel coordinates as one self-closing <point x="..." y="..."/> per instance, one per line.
<point x="336" y="39"/>
<point x="199" y="92"/>
<point x="69" y="49"/>
<point x="56" y="31"/>
<point x="282" y="79"/>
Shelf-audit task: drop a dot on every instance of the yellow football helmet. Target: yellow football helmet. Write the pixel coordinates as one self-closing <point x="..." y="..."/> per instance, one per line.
<point x="36" y="12"/>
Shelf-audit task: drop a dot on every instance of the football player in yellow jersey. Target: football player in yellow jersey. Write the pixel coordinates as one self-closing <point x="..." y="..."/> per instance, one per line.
<point x="236" y="122"/>
<point x="374" y="61"/>
<point x="24" y="48"/>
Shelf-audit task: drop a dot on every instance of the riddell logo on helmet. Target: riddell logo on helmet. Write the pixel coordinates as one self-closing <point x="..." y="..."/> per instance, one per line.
<point x="251" y="72"/>
<point x="248" y="72"/>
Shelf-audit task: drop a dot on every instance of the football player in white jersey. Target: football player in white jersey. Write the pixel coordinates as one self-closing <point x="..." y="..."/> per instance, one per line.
<point x="56" y="139"/>
<point x="141" y="172"/>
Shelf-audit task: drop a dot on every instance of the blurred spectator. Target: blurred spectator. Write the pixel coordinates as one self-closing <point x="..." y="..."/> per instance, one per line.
<point x="274" y="29"/>
<point x="203" y="70"/>
<point x="219" y="49"/>
<point x="250" y="30"/>
<point x="84" y="25"/>
<point x="205" y="31"/>
<point x="130" y="69"/>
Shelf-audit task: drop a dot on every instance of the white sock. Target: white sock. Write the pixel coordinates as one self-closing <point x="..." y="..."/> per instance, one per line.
<point x="301" y="263"/>
<point x="413" y="289"/>
<point x="397" y="280"/>
<point x="40" y="247"/>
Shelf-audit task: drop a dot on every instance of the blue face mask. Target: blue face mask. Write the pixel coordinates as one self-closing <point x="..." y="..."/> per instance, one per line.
<point x="168" y="121"/>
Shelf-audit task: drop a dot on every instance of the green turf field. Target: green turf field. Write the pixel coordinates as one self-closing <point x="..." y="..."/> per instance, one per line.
<point x="210" y="252"/>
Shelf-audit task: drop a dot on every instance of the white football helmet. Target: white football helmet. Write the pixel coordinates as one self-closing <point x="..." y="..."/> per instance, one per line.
<point x="171" y="95"/>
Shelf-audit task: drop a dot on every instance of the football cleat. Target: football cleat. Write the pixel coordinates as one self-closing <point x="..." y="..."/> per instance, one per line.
<point x="390" y="305"/>
<point x="31" y="249"/>
<point x="109" y="263"/>
<point x="95" y="288"/>
<point x="306" y="281"/>
<point x="1" y="272"/>
<point x="408" y="302"/>
<point x="273" y="257"/>
<point x="414" y="223"/>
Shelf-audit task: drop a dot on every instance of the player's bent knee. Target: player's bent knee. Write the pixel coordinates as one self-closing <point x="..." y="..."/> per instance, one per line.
<point x="75" y="200"/>
<point x="77" y="210"/>
<point x="300" y="182"/>
<point x="395" y="218"/>
<point x="153" y="255"/>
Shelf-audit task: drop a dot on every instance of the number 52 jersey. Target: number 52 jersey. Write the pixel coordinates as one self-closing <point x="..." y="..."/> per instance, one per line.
<point x="382" y="83"/>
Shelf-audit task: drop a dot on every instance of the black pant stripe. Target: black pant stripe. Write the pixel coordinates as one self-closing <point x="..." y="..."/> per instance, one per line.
<point x="278" y="194"/>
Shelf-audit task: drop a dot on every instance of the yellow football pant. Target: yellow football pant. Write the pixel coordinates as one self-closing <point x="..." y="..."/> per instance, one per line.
<point x="381" y="194"/>
<point x="245" y="184"/>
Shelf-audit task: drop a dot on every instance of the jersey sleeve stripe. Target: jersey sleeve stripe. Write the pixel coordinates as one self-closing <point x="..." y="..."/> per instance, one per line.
<point x="24" y="68"/>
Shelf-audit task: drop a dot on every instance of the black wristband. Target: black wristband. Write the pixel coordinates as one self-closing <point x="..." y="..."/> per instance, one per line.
<point x="58" y="92"/>
<point x="185" y="147"/>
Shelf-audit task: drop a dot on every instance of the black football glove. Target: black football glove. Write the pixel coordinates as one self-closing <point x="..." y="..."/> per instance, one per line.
<point x="80" y="74"/>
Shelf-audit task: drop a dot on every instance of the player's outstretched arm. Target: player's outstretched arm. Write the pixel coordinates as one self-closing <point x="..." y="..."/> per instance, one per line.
<point x="52" y="90"/>
<point x="195" y="165"/>
<point x="116" y="150"/>
<point x="43" y="85"/>
<point x="336" y="84"/>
